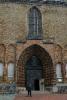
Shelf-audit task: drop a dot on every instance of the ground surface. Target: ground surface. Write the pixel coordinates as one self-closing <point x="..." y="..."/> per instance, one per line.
<point x="35" y="96"/>
<point x="43" y="97"/>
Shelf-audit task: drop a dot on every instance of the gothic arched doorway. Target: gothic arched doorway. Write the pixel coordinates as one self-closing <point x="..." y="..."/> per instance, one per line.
<point x="34" y="64"/>
<point x="33" y="72"/>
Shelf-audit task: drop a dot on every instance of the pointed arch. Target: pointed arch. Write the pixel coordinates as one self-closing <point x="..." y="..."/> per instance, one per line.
<point x="11" y="53"/>
<point x="35" y="23"/>
<point x="2" y="53"/>
<point x="42" y="57"/>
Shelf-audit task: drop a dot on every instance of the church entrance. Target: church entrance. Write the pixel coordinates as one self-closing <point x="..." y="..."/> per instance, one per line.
<point x="33" y="72"/>
<point x="36" y="84"/>
<point x="35" y="64"/>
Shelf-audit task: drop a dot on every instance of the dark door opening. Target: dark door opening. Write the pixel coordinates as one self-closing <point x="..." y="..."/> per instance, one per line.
<point x="35" y="63"/>
<point x="33" y="72"/>
<point x="36" y="84"/>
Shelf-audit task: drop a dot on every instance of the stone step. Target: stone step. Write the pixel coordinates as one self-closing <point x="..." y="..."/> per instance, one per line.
<point x="33" y="92"/>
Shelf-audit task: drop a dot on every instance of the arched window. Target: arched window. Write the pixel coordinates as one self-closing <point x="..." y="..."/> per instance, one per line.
<point x="35" y="24"/>
<point x="58" y="73"/>
<point x="11" y="71"/>
<point x="1" y="70"/>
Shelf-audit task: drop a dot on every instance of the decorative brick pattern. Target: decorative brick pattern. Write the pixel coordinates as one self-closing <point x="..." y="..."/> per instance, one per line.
<point x="14" y="28"/>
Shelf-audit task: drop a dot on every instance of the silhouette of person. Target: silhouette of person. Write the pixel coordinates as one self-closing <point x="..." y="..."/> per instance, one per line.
<point x="29" y="89"/>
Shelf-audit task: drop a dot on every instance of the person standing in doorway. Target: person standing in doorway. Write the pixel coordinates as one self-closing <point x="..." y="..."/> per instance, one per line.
<point x="29" y="88"/>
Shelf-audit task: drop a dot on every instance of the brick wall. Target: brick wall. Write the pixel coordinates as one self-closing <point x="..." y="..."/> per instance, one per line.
<point x="14" y="27"/>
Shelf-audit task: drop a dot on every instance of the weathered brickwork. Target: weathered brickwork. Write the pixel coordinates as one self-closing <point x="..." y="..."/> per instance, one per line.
<point x="43" y="55"/>
<point x="14" y="28"/>
<point x="2" y="53"/>
<point x="14" y="22"/>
